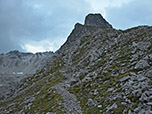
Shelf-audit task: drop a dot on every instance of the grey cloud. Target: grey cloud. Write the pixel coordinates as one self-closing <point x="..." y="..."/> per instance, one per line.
<point x="137" y="12"/>
<point x="25" y="20"/>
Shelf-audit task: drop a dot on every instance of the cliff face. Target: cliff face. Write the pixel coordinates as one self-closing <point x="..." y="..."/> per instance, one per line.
<point x="96" y="20"/>
<point x="97" y="70"/>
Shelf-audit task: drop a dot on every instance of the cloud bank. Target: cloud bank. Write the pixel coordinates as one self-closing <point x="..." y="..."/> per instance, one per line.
<point x="25" y="21"/>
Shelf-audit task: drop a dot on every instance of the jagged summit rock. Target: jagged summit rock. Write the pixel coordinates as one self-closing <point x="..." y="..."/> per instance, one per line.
<point x="96" y="20"/>
<point x="80" y="30"/>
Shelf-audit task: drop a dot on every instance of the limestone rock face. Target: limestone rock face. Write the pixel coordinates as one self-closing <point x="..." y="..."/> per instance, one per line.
<point x="96" y="20"/>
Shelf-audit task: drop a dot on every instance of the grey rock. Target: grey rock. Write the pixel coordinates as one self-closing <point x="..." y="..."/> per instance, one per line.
<point x="110" y="89"/>
<point x="149" y="93"/>
<point x="124" y="79"/>
<point x="127" y="101"/>
<point x="99" y="106"/>
<point x="132" y="73"/>
<point x="96" y="20"/>
<point x="129" y="112"/>
<point x="150" y="99"/>
<point x="91" y="102"/>
<point x="134" y="44"/>
<point x="148" y="112"/>
<point x="141" y="64"/>
<point x="128" y="84"/>
<point x="149" y="103"/>
<point x="140" y="53"/>
<point x="143" y="45"/>
<point x="87" y="78"/>
<point x="141" y="78"/>
<point x="134" y="57"/>
<point x="149" y="73"/>
<point x="143" y="97"/>
<point x="137" y="92"/>
<point x="133" y="51"/>
<point x="138" y="109"/>
<point x="67" y="85"/>
<point x="143" y="111"/>
<point x="122" y="71"/>
<point x="123" y="103"/>
<point x="95" y="92"/>
<point x="150" y="56"/>
<point x="113" y="106"/>
<point x="28" y="99"/>
<point x="146" y="57"/>
<point x="136" y="86"/>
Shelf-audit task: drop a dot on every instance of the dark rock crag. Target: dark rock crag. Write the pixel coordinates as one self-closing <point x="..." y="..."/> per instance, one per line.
<point x="96" y="20"/>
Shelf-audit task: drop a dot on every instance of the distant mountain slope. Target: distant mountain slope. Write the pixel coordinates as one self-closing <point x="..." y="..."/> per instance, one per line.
<point x="15" y="66"/>
<point x="97" y="70"/>
<point x="16" y="62"/>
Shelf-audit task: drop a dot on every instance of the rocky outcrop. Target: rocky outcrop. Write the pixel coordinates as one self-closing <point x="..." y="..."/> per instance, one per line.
<point x="96" y="20"/>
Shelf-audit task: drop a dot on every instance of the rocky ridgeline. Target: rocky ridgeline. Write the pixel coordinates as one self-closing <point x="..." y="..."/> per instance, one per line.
<point x="97" y="70"/>
<point x="16" y="62"/>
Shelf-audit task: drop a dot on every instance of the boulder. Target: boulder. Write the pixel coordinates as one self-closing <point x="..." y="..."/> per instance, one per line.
<point x="99" y="106"/>
<point x="91" y="102"/>
<point x="143" y="98"/>
<point x="110" y="89"/>
<point x="124" y="79"/>
<point x="149" y="73"/>
<point x="143" y="45"/>
<point x="141" y="64"/>
<point x="113" y="106"/>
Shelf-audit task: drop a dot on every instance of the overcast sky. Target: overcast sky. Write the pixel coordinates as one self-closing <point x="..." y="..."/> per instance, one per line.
<point x="43" y="25"/>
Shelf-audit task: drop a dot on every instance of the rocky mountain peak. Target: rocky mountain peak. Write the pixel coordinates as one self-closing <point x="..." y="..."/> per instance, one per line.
<point x="97" y="70"/>
<point x="96" y="20"/>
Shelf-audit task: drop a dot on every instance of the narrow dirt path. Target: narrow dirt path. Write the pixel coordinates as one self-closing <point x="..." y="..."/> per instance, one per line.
<point x="70" y="102"/>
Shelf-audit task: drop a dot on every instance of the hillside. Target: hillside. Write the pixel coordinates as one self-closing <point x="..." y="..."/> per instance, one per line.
<point x="97" y="70"/>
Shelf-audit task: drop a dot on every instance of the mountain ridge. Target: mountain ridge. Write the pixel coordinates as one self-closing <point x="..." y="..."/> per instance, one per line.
<point x="97" y="70"/>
